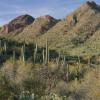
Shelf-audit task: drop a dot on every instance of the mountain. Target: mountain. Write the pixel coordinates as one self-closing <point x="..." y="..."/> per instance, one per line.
<point x="40" y="25"/>
<point x="17" y="23"/>
<point x="27" y="27"/>
<point x="73" y="34"/>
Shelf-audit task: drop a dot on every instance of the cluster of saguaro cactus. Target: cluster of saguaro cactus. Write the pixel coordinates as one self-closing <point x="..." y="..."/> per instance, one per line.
<point x="45" y="53"/>
<point x="26" y="95"/>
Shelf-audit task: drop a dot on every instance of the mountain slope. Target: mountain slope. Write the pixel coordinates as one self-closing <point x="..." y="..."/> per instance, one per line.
<point x="75" y="29"/>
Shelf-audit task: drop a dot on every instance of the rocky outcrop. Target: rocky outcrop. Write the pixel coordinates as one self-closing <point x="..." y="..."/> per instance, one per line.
<point x="93" y="5"/>
<point x="80" y="12"/>
<point x="4" y="29"/>
<point x="17" y="23"/>
<point x="71" y="20"/>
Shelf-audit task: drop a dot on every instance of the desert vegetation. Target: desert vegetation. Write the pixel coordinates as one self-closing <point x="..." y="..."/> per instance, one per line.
<point x="29" y="72"/>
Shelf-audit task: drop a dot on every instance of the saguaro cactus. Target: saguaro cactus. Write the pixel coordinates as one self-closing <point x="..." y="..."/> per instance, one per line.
<point x="35" y="53"/>
<point x="24" y="45"/>
<point x="23" y="54"/>
<point x="89" y="61"/>
<point x="13" y="56"/>
<point x="0" y="44"/>
<point x="67" y="74"/>
<point x="47" y="53"/>
<point x="5" y="46"/>
<point x="58" y="59"/>
<point x="43" y="54"/>
<point x="64" y="61"/>
<point x="78" y="65"/>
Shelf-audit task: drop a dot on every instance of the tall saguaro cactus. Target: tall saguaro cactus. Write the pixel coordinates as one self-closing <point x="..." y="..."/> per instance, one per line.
<point x="78" y="65"/>
<point x="64" y="61"/>
<point x="67" y="74"/>
<point x="48" y="55"/>
<point x="23" y="54"/>
<point x="13" y="56"/>
<point x="0" y="44"/>
<point x="89" y="61"/>
<point x="47" y="52"/>
<point x="24" y="45"/>
<point x="35" y="53"/>
<point x="5" y="46"/>
<point x="58" y="59"/>
<point x="43" y="54"/>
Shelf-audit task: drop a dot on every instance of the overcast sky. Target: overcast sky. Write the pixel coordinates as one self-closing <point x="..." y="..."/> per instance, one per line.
<point x="9" y="9"/>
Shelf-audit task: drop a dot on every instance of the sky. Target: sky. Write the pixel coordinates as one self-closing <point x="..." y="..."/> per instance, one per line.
<point x="10" y="9"/>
